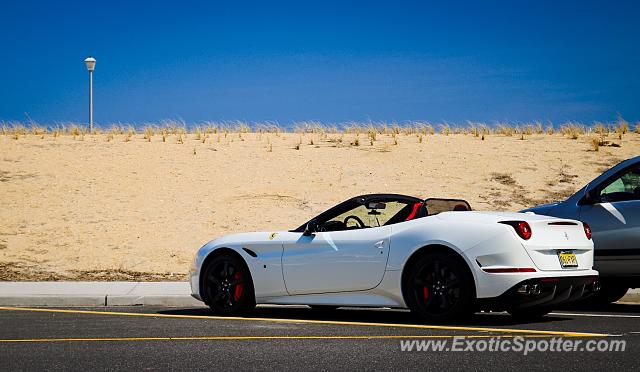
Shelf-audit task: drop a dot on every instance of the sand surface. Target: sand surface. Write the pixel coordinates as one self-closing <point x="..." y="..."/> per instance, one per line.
<point x="103" y="208"/>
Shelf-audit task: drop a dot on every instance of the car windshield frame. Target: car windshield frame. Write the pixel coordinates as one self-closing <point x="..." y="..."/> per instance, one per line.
<point x="355" y="202"/>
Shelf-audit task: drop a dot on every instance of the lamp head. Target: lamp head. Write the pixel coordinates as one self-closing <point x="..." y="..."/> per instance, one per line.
<point x="91" y="63"/>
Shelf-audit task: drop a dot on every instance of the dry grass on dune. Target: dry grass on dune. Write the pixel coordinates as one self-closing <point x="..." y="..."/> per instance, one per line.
<point x="370" y="130"/>
<point x="134" y="203"/>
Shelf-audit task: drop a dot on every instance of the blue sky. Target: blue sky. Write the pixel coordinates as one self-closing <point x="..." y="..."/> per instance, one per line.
<point x="321" y="60"/>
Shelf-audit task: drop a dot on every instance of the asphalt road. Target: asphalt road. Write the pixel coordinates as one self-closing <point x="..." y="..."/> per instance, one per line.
<point x="276" y="338"/>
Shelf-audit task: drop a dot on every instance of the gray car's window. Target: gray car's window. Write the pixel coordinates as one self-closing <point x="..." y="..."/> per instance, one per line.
<point x="625" y="187"/>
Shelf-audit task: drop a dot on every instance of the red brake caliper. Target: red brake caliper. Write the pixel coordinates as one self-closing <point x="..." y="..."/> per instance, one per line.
<point x="425" y="292"/>
<point x="237" y="294"/>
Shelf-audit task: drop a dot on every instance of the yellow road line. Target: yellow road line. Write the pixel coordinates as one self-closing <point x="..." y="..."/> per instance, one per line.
<point x="305" y="321"/>
<point x="240" y="338"/>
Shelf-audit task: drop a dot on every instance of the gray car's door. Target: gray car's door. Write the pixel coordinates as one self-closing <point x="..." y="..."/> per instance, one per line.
<point x="614" y="217"/>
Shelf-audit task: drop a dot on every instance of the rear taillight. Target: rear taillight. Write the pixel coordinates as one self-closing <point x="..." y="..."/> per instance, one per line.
<point x="587" y="230"/>
<point x="522" y="228"/>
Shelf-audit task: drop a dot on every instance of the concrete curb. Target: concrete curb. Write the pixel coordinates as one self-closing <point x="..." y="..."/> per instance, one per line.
<point x="632" y="296"/>
<point x="152" y="300"/>
<point x="52" y="300"/>
<point x="96" y="294"/>
<point x="63" y="294"/>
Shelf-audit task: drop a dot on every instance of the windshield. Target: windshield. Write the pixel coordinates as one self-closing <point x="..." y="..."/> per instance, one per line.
<point x="362" y="216"/>
<point x="367" y="211"/>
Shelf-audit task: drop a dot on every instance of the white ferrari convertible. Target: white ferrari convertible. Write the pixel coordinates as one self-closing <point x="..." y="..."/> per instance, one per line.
<point x="435" y="257"/>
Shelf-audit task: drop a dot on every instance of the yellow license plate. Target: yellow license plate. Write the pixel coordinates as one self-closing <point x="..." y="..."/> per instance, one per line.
<point x="567" y="259"/>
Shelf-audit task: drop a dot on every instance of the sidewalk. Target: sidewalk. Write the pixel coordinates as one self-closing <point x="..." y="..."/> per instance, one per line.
<point x="632" y="296"/>
<point x="119" y="294"/>
<point x="96" y="294"/>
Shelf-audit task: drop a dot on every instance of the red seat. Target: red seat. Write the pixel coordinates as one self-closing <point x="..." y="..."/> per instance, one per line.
<point x="414" y="211"/>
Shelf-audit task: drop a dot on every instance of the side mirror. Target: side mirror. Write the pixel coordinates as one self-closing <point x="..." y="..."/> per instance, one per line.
<point x="312" y="227"/>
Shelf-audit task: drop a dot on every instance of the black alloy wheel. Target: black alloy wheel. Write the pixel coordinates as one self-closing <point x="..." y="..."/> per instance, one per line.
<point x="439" y="288"/>
<point x="227" y="285"/>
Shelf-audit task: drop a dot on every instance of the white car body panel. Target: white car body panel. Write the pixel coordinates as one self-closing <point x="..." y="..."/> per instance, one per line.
<point x="338" y="261"/>
<point x="364" y="267"/>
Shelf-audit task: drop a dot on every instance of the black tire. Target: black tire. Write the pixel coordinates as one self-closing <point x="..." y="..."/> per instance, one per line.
<point x="439" y="287"/>
<point x="608" y="294"/>
<point x="533" y="313"/>
<point x="227" y="287"/>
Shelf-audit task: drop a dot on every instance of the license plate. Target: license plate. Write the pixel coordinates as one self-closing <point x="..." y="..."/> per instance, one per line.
<point x="567" y="259"/>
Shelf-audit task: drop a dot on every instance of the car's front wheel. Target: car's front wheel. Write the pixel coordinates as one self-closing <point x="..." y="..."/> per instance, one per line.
<point x="438" y="287"/>
<point x="227" y="285"/>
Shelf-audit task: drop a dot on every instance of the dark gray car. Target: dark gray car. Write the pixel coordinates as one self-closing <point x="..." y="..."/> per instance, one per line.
<point x="610" y="204"/>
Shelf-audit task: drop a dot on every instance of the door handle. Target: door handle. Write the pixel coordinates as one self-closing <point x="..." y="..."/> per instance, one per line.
<point x="380" y="244"/>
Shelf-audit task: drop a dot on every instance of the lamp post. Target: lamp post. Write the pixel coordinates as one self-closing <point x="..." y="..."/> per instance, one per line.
<point x="91" y="64"/>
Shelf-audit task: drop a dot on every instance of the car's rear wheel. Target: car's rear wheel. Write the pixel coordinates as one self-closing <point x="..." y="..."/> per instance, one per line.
<point x="227" y="285"/>
<point x="439" y="287"/>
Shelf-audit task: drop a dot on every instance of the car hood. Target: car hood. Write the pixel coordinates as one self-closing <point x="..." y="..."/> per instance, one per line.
<point x="244" y="238"/>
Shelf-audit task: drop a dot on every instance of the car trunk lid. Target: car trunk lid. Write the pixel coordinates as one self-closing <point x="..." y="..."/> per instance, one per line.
<point x="559" y="245"/>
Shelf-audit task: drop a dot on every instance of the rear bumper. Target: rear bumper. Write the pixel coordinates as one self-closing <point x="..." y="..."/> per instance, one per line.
<point x="543" y="292"/>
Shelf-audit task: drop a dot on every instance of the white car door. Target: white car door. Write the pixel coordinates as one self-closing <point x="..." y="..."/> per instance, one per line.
<point x="336" y="261"/>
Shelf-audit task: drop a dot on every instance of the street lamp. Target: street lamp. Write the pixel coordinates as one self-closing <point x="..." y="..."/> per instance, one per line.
<point x="91" y="64"/>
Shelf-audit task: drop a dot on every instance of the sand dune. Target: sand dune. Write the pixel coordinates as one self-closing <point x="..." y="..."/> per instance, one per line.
<point x="109" y="209"/>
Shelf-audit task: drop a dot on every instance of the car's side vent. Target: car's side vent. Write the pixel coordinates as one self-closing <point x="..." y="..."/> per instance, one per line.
<point x="562" y="223"/>
<point x="250" y="252"/>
